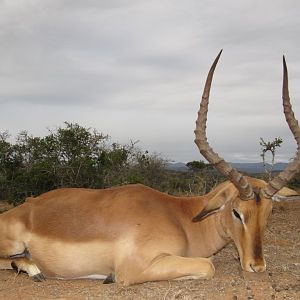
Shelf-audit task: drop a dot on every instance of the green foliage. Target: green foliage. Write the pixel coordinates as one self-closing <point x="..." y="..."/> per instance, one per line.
<point x="201" y="178"/>
<point x="72" y="156"/>
<point x="197" y="165"/>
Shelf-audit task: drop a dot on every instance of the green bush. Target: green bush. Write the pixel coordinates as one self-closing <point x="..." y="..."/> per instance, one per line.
<point x="72" y="156"/>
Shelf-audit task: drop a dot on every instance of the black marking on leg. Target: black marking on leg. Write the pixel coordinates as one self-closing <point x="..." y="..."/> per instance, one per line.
<point x="109" y="279"/>
<point x="25" y="253"/>
<point x="14" y="266"/>
<point x="38" y="277"/>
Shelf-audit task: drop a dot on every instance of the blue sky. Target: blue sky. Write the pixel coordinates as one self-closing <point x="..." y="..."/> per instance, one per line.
<point x="135" y="70"/>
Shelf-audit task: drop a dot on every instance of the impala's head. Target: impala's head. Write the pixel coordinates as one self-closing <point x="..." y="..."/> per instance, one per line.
<point x="246" y="222"/>
<point x="246" y="202"/>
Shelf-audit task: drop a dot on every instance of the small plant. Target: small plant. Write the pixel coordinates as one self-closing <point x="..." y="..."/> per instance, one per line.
<point x="271" y="147"/>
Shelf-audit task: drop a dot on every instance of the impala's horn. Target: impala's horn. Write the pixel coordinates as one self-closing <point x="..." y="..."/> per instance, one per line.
<point x="293" y="167"/>
<point x="245" y="189"/>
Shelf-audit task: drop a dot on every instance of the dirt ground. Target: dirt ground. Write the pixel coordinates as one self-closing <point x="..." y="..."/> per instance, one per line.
<point x="280" y="281"/>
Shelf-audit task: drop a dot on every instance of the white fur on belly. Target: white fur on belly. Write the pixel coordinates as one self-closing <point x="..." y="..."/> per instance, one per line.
<point x="94" y="276"/>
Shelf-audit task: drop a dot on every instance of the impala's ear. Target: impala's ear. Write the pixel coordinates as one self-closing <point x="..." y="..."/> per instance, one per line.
<point x="285" y="194"/>
<point x="216" y="200"/>
<point x="205" y="213"/>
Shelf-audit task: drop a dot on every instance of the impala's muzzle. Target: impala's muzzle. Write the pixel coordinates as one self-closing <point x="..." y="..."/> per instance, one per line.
<point x="255" y="265"/>
<point x="252" y="256"/>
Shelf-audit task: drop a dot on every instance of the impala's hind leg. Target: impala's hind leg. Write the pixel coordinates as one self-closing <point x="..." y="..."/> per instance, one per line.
<point x="170" y="267"/>
<point x="5" y="264"/>
<point x="22" y="264"/>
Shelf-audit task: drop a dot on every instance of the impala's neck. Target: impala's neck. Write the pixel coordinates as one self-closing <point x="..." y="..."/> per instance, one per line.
<point x="207" y="236"/>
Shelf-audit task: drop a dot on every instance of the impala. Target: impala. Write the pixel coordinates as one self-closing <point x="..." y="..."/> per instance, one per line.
<point x="133" y="234"/>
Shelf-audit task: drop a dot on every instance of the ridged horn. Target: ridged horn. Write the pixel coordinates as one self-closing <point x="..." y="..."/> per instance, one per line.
<point x="240" y="182"/>
<point x="293" y="167"/>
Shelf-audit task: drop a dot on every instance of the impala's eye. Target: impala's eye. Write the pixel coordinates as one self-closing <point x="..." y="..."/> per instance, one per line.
<point x="237" y="215"/>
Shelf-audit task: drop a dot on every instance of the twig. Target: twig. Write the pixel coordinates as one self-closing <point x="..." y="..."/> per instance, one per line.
<point x="168" y="290"/>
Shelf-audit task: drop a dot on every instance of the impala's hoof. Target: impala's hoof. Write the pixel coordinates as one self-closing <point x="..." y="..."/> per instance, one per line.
<point x="109" y="279"/>
<point x="14" y="267"/>
<point x="38" y="277"/>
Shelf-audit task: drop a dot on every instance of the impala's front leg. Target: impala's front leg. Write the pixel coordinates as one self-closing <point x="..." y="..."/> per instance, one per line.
<point x="17" y="258"/>
<point x="26" y="265"/>
<point x="168" y="267"/>
<point x="22" y="264"/>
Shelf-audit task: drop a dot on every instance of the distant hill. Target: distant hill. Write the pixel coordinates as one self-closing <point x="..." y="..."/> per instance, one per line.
<point x="251" y="168"/>
<point x="257" y="167"/>
<point x="179" y="166"/>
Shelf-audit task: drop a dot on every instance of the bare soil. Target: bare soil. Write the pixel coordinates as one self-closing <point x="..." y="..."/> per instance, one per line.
<point x="280" y="281"/>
